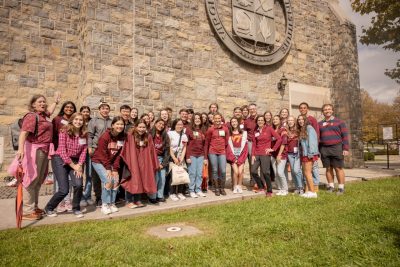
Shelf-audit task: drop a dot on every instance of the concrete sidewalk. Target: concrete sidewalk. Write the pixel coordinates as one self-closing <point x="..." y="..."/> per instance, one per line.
<point x="7" y="206"/>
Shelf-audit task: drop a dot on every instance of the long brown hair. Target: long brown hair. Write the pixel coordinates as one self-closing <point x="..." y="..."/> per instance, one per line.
<point x="193" y="125"/>
<point x="70" y="128"/>
<point x="292" y="131"/>
<point x="138" y="137"/>
<point x="231" y="127"/>
<point x="302" y="129"/>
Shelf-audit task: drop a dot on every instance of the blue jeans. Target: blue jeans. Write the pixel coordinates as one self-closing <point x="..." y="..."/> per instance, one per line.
<point x="87" y="194"/>
<point x="195" y="171"/>
<point x="218" y="165"/>
<point x="63" y="173"/>
<point x="295" y="166"/>
<point x="315" y="173"/>
<point x="107" y="195"/>
<point x="279" y="171"/>
<point x="160" y="181"/>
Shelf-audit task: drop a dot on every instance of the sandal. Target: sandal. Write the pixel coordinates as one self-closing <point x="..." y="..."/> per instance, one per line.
<point x="131" y="205"/>
<point x="139" y="204"/>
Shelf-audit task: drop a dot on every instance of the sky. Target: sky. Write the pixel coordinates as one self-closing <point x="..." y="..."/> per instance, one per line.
<point x="373" y="61"/>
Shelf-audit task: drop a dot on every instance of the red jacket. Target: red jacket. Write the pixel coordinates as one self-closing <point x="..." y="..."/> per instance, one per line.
<point x="230" y="157"/>
<point x="263" y="140"/>
<point x="216" y="141"/>
<point x="108" y="150"/>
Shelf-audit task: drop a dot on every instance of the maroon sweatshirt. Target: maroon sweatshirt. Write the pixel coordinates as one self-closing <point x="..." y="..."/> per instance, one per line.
<point x="250" y="126"/>
<point x="262" y="140"/>
<point x="216" y="141"/>
<point x="108" y="150"/>
<point x="195" y="147"/>
<point x="284" y="140"/>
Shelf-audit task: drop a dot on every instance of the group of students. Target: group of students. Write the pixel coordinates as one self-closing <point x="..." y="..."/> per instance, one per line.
<point x="128" y="157"/>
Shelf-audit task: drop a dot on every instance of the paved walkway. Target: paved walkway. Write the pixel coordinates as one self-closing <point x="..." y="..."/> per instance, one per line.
<point x="8" y="215"/>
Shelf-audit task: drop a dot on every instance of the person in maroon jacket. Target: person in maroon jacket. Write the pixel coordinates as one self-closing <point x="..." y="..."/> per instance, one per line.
<point x="250" y="125"/>
<point x="237" y="153"/>
<point x="303" y="109"/>
<point x="106" y="162"/>
<point x="195" y="155"/>
<point x="261" y="153"/>
<point x="217" y="138"/>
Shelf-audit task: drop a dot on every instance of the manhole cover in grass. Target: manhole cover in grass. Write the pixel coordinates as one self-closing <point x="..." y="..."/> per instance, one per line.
<point x="174" y="230"/>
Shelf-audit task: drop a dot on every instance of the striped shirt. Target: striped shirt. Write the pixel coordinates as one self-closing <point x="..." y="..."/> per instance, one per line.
<point x="332" y="132"/>
<point x="71" y="147"/>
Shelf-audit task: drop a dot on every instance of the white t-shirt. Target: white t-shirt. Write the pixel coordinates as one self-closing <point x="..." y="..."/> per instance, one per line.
<point x="174" y="138"/>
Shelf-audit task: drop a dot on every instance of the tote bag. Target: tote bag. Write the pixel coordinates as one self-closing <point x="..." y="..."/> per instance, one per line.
<point x="179" y="174"/>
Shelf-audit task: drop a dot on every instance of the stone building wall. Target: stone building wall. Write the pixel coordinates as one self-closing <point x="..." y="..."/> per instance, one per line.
<point x="157" y="53"/>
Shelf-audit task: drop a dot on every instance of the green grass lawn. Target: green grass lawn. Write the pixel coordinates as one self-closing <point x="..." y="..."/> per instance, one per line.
<point x="360" y="228"/>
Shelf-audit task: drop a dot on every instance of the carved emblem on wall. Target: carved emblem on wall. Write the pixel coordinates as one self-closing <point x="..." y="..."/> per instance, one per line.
<point x="254" y="36"/>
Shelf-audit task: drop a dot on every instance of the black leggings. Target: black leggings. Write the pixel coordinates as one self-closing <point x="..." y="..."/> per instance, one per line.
<point x="264" y="162"/>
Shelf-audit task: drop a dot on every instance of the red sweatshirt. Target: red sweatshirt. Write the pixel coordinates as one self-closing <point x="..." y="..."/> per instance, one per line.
<point x="108" y="150"/>
<point x="195" y="147"/>
<point x="250" y="126"/>
<point x="216" y="141"/>
<point x="262" y="140"/>
<point x="284" y="141"/>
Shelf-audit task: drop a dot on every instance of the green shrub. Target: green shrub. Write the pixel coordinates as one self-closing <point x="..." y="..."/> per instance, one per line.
<point x="369" y="156"/>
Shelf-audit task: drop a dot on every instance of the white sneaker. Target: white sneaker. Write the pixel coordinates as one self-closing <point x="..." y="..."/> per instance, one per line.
<point x="181" y="196"/>
<point x="312" y="195"/>
<point x="201" y="194"/>
<point x="239" y="190"/>
<point x="78" y="214"/>
<point x="173" y="197"/>
<point x="284" y="193"/>
<point x="105" y="209"/>
<point x="113" y="208"/>
<point x="279" y="193"/>
<point x="83" y="203"/>
<point x="193" y="195"/>
<point x="305" y="194"/>
<point x="235" y="189"/>
<point x="12" y="183"/>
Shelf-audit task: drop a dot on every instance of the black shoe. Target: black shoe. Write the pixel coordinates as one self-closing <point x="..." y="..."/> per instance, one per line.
<point x="99" y="203"/>
<point x="330" y="189"/>
<point x="161" y="199"/>
<point x="153" y="201"/>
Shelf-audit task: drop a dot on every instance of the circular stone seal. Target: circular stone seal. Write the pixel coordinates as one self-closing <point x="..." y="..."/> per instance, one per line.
<point x="262" y="30"/>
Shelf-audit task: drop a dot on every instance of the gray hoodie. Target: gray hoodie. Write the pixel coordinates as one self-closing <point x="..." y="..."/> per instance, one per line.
<point x="97" y="126"/>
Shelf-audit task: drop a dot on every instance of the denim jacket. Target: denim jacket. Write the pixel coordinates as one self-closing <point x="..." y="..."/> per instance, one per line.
<point x="309" y="146"/>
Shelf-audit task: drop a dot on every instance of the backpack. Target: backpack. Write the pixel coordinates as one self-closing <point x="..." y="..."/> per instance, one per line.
<point x="16" y="130"/>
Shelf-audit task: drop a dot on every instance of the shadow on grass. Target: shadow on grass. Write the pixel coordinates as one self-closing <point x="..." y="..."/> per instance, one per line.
<point x="393" y="230"/>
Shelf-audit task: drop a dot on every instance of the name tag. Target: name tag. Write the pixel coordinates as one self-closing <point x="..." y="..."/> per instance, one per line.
<point x="82" y="141"/>
<point x="295" y="149"/>
<point x="48" y="119"/>
<point x="241" y="126"/>
<point x="221" y="133"/>
<point x="121" y="143"/>
<point x="324" y="124"/>
<point x="196" y="134"/>
<point x="64" y="122"/>
<point x="141" y="143"/>
<point x="257" y="134"/>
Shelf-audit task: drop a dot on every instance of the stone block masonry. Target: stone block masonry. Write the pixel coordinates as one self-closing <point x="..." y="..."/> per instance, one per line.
<point x="152" y="54"/>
